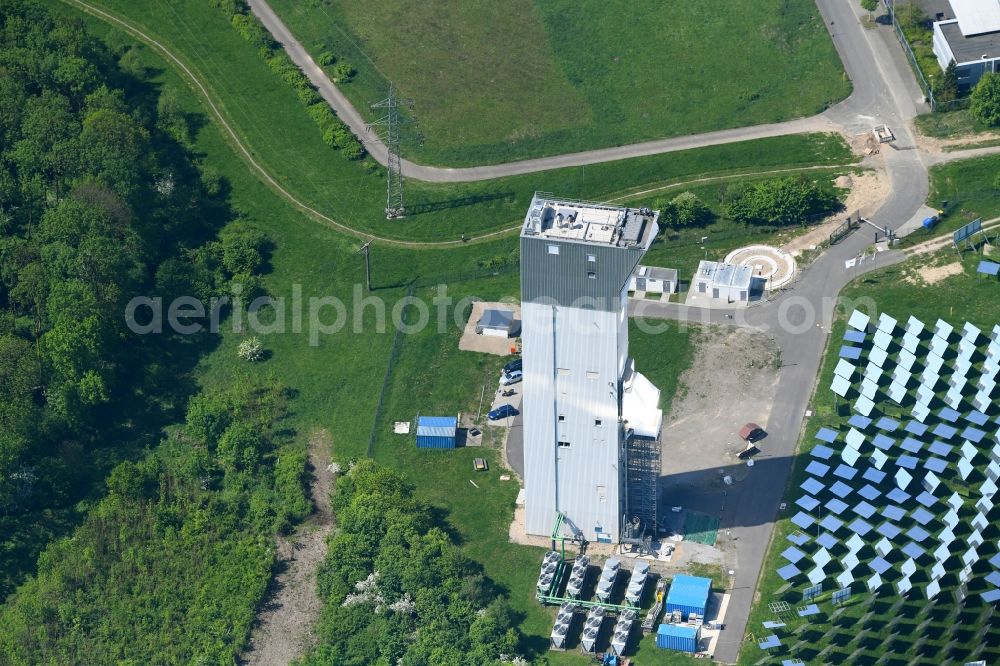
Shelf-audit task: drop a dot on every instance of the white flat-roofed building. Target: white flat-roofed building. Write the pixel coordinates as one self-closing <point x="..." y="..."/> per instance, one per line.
<point x="971" y="38"/>
<point x="719" y="280"/>
<point x="583" y="401"/>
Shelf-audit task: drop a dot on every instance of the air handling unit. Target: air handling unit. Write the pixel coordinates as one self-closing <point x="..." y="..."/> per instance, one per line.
<point x="591" y="421"/>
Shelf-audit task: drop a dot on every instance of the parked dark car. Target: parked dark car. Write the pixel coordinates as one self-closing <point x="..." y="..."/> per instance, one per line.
<point x="502" y="412"/>
<point x="512" y="366"/>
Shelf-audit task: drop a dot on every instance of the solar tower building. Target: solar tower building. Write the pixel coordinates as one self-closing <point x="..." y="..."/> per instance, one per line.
<point x="591" y="422"/>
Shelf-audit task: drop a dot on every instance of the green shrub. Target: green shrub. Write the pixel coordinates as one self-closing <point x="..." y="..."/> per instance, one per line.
<point x="781" y="201"/>
<point x="250" y="29"/>
<point x="343" y="72"/>
<point x="326" y="59"/>
<point x="985" y="105"/>
<point x="308" y="95"/>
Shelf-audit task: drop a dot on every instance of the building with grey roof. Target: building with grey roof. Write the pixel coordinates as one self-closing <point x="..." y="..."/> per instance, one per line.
<point x="722" y="281"/>
<point x="591" y="422"/>
<point x="969" y="35"/>
<point x="654" y="280"/>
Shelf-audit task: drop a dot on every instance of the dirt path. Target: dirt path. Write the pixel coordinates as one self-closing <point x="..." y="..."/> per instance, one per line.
<point x="284" y="626"/>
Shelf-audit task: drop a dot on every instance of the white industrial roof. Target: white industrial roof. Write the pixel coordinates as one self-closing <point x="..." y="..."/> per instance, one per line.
<point x="976" y="17"/>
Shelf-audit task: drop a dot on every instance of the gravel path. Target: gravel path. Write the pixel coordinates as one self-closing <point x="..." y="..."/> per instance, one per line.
<point x="284" y="626"/>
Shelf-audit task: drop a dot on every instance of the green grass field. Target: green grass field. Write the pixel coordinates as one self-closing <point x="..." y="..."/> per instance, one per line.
<point x="971" y="189"/>
<point x="965" y="297"/>
<point x="268" y="117"/>
<point x="337" y="380"/>
<point x="496" y="82"/>
<point x="949" y="125"/>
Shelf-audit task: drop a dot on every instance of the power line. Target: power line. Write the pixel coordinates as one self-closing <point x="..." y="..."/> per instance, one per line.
<point x="389" y="125"/>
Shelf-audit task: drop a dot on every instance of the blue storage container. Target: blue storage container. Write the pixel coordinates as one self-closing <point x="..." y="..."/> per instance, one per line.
<point x="436" y="432"/>
<point x="688" y="594"/>
<point x="677" y="637"/>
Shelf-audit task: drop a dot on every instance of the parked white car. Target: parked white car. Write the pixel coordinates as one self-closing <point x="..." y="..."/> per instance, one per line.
<point x="508" y="378"/>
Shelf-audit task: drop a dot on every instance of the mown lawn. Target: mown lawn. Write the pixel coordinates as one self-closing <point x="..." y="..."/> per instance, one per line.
<point x="494" y="82"/>
<point x="961" y="298"/>
<point x="970" y="188"/>
<point x="949" y="124"/>
<point x="267" y="115"/>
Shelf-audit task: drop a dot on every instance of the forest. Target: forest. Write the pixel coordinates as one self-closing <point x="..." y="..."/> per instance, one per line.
<point x="398" y="590"/>
<point x="125" y="537"/>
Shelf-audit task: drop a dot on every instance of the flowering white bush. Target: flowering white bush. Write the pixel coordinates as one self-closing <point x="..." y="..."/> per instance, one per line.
<point x="251" y="349"/>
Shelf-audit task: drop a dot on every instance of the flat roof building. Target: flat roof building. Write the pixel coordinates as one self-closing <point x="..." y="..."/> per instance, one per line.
<point x="580" y="386"/>
<point x="653" y="279"/>
<point x="500" y="323"/>
<point x="720" y="280"/>
<point x="971" y="39"/>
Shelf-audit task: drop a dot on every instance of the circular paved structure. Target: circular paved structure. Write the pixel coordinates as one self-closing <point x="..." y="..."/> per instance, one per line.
<point x="774" y="265"/>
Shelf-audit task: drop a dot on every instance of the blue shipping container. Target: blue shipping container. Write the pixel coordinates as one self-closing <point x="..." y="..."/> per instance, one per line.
<point x="677" y="637"/>
<point x="436" y="432"/>
<point x="688" y="594"/>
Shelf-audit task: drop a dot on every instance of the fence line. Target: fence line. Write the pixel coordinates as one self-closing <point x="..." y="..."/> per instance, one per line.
<point x="397" y="340"/>
<point x="914" y="65"/>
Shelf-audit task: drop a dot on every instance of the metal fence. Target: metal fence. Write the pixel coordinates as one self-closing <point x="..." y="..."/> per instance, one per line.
<point x="914" y="65"/>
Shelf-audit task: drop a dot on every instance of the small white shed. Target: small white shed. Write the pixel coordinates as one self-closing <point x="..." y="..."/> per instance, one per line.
<point x="654" y="280"/>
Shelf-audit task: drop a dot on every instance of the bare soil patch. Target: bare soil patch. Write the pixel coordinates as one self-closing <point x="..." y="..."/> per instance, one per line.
<point x="284" y="625"/>
<point x="932" y="274"/>
<point x="867" y="192"/>
<point x="732" y="380"/>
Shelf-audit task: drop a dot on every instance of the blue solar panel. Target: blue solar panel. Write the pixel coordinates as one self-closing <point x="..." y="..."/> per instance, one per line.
<point x="803" y="520"/>
<point x="917" y="533"/>
<point x="898" y="496"/>
<point x="935" y="465"/>
<point x="974" y="435"/>
<point x="893" y="512"/>
<point x="922" y="515"/>
<point x="988" y="267"/>
<point x="859" y="422"/>
<point x="850" y="353"/>
<point x="912" y="445"/>
<point x="793" y="554"/>
<point x="811" y="609"/>
<point x="836" y="506"/>
<point x="826" y="435"/>
<point x="940" y="448"/>
<point x="887" y="424"/>
<point x="807" y="502"/>
<point x="873" y="475"/>
<point x="913" y="550"/>
<point x="915" y="428"/>
<point x="926" y="499"/>
<point x="827" y="540"/>
<point x="888" y="530"/>
<point x="854" y="336"/>
<point x="948" y="414"/>
<point x="869" y="493"/>
<point x="883" y="442"/>
<point x="769" y="642"/>
<point x="907" y="462"/>
<point x="945" y="431"/>
<point x="864" y="509"/>
<point x="788" y="572"/>
<point x="840" y="489"/>
<point x="879" y="565"/>
<point x="845" y="472"/>
<point x="812" y="486"/>
<point x="798" y="538"/>
<point x="821" y="452"/>
<point x="817" y="468"/>
<point x="831" y="523"/>
<point x="977" y="417"/>
<point x="860" y="527"/>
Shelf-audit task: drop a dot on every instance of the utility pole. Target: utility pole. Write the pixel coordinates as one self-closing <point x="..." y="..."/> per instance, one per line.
<point x="389" y="126"/>
<point x="366" y="250"/>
